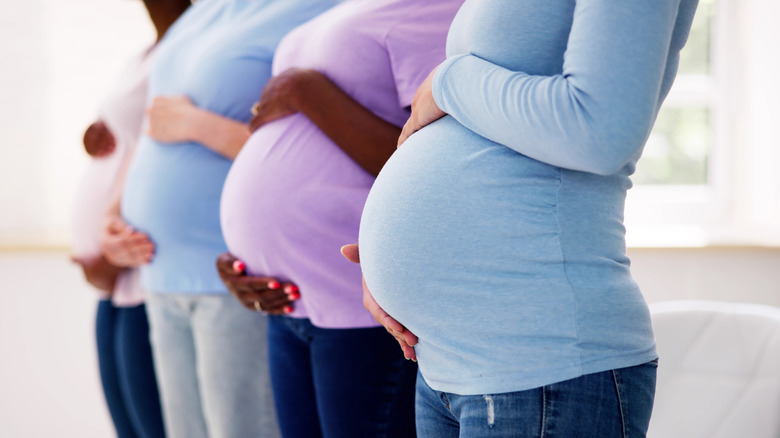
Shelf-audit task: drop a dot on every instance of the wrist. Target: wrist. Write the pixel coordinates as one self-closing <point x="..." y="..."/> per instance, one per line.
<point x="304" y="85"/>
<point x="197" y="126"/>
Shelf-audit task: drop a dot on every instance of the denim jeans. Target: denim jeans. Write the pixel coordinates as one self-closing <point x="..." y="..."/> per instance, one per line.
<point x="339" y="383"/>
<point x="127" y="371"/>
<point x="212" y="366"/>
<point x="609" y="404"/>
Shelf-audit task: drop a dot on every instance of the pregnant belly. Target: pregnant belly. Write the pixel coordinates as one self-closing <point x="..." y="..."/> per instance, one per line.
<point x="172" y="193"/>
<point x="291" y="199"/>
<point x="453" y="216"/>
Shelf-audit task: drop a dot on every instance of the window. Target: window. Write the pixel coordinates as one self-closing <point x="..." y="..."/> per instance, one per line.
<point x="709" y="174"/>
<point x="678" y="148"/>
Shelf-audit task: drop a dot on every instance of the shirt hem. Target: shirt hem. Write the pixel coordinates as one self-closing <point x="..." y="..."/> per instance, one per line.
<point x="522" y="381"/>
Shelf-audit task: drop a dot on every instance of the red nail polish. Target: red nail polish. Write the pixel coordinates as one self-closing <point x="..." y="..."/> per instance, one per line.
<point x="273" y="284"/>
<point x="293" y="296"/>
<point x="288" y="309"/>
<point x="290" y="288"/>
<point x="239" y="266"/>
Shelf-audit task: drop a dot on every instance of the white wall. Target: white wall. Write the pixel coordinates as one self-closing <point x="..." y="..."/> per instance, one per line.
<point x="58" y="59"/>
<point x="736" y="274"/>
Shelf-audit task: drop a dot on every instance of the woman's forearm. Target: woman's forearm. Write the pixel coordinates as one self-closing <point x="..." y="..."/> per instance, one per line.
<point x="365" y="137"/>
<point x="220" y="134"/>
<point x="101" y="273"/>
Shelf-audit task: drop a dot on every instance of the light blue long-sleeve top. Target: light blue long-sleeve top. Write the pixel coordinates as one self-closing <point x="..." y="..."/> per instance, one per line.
<point x="218" y="54"/>
<point x="496" y="233"/>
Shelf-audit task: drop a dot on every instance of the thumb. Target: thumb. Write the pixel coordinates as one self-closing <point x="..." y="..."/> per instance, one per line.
<point x="119" y="226"/>
<point x="351" y="252"/>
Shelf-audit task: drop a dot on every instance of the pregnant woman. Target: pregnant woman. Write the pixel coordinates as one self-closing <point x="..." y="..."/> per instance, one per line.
<point x="210" y="355"/>
<point x="328" y="120"/>
<point x="124" y="354"/>
<point x="495" y="233"/>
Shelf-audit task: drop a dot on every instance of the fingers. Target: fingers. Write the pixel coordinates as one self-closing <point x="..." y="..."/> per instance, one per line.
<point x="256" y="122"/>
<point x="256" y="293"/>
<point x="351" y="252"/>
<point x="407" y="349"/>
<point x="271" y="301"/>
<point x="116" y="225"/>
<point x="129" y="256"/>
<point x="141" y="252"/>
<point x="424" y="109"/>
<point x="406" y="339"/>
<point x="266" y="114"/>
<point x="226" y="262"/>
<point x="395" y="327"/>
<point x="127" y="248"/>
<point x="410" y="127"/>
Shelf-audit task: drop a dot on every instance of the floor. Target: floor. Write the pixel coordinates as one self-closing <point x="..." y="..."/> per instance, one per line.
<point x="49" y="385"/>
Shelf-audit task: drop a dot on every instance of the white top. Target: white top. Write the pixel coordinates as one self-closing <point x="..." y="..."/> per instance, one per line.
<point x="122" y="112"/>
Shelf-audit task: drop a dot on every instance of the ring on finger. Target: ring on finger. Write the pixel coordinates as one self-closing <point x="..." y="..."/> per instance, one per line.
<point x="258" y="307"/>
<point x="255" y="108"/>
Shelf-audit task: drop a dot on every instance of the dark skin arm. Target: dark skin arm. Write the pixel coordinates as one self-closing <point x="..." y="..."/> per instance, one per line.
<point x="98" y="140"/>
<point x="362" y="135"/>
<point x="100" y="273"/>
<point x="259" y="294"/>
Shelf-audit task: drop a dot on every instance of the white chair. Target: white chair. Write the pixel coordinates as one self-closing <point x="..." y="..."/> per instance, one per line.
<point x="719" y="370"/>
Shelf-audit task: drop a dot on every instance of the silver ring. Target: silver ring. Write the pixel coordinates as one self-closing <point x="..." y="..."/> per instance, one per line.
<point x="255" y="108"/>
<point x="257" y="306"/>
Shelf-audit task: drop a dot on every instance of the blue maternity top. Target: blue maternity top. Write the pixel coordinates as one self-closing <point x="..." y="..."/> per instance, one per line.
<point x="496" y="233"/>
<point x="219" y="54"/>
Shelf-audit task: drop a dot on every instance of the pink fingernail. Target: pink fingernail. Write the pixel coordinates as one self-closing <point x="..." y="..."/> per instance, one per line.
<point x="293" y="296"/>
<point x="238" y="266"/>
<point x="273" y="284"/>
<point x="287" y="309"/>
<point x="290" y="288"/>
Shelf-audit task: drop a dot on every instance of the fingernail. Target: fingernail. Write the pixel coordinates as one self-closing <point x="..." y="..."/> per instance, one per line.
<point x="287" y="309"/>
<point x="238" y="266"/>
<point x="293" y="296"/>
<point x="290" y="288"/>
<point x="273" y="284"/>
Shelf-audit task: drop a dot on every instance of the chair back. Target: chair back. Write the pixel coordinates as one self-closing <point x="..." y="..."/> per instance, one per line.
<point x="719" y="370"/>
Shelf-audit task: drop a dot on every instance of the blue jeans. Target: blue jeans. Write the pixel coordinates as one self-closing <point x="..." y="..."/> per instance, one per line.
<point x="212" y="366"/>
<point x="339" y="383"/>
<point x="127" y="371"/>
<point x="608" y="404"/>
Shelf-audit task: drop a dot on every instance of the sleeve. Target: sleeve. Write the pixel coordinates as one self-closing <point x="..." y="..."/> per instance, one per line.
<point x="596" y="115"/>
<point x="415" y="49"/>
